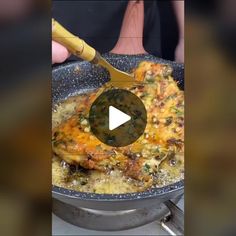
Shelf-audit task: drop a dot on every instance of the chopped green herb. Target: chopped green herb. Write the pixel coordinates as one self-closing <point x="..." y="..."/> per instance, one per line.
<point x="170" y="97"/>
<point x="168" y="120"/>
<point x="150" y="79"/>
<point x="58" y="142"/>
<point x="146" y="168"/>
<point x="145" y="94"/>
<point x="84" y="182"/>
<point x="177" y="111"/>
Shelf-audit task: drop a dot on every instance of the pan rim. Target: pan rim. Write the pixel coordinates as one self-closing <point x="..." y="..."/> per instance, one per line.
<point x="147" y="194"/>
<point x="110" y="55"/>
<point x="150" y="193"/>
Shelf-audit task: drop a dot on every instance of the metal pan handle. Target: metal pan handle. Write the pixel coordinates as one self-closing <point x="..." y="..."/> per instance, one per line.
<point x="173" y="223"/>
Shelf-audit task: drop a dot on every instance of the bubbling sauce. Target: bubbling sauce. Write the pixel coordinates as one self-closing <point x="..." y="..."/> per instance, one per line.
<point x="76" y="178"/>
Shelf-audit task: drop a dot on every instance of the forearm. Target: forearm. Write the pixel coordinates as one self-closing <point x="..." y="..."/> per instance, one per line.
<point x="179" y="12"/>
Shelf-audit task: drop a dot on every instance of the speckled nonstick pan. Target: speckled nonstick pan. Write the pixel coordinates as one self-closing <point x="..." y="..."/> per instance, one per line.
<point x="81" y="76"/>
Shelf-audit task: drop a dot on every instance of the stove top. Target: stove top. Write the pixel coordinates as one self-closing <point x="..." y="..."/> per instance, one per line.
<point x="60" y="227"/>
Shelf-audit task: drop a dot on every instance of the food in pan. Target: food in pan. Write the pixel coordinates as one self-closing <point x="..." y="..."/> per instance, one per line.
<point x="81" y="162"/>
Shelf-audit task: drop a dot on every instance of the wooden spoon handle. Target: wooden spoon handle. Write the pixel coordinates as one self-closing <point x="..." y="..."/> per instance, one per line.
<point x="131" y="34"/>
<point x="73" y="43"/>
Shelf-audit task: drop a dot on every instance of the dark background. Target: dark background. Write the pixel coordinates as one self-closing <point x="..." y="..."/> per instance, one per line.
<point x="99" y="24"/>
<point x="169" y="29"/>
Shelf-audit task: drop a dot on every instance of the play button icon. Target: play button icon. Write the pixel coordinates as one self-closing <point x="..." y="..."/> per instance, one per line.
<point x="117" y="117"/>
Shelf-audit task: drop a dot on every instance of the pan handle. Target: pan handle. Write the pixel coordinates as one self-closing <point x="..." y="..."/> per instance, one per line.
<point x="173" y="223"/>
<point x="73" y="43"/>
<point x="130" y="41"/>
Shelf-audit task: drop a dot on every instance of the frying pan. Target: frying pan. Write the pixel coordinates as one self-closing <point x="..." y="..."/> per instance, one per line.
<point x="80" y="77"/>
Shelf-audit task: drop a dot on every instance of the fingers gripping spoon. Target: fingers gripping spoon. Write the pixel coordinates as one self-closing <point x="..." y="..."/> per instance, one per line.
<point x="80" y="48"/>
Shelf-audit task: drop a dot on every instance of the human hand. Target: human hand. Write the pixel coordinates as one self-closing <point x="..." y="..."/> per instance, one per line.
<point x="59" y="53"/>
<point x="179" y="51"/>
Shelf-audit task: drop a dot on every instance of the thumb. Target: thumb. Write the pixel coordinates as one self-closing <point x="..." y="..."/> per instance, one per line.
<point x="59" y="53"/>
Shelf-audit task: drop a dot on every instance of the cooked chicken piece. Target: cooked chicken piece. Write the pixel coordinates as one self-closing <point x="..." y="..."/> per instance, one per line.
<point x="163" y="136"/>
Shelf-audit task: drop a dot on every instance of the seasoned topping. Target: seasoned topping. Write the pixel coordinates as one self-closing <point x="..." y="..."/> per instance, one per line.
<point x="141" y="165"/>
<point x="177" y="142"/>
<point x="147" y="168"/>
<point x="168" y="120"/>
